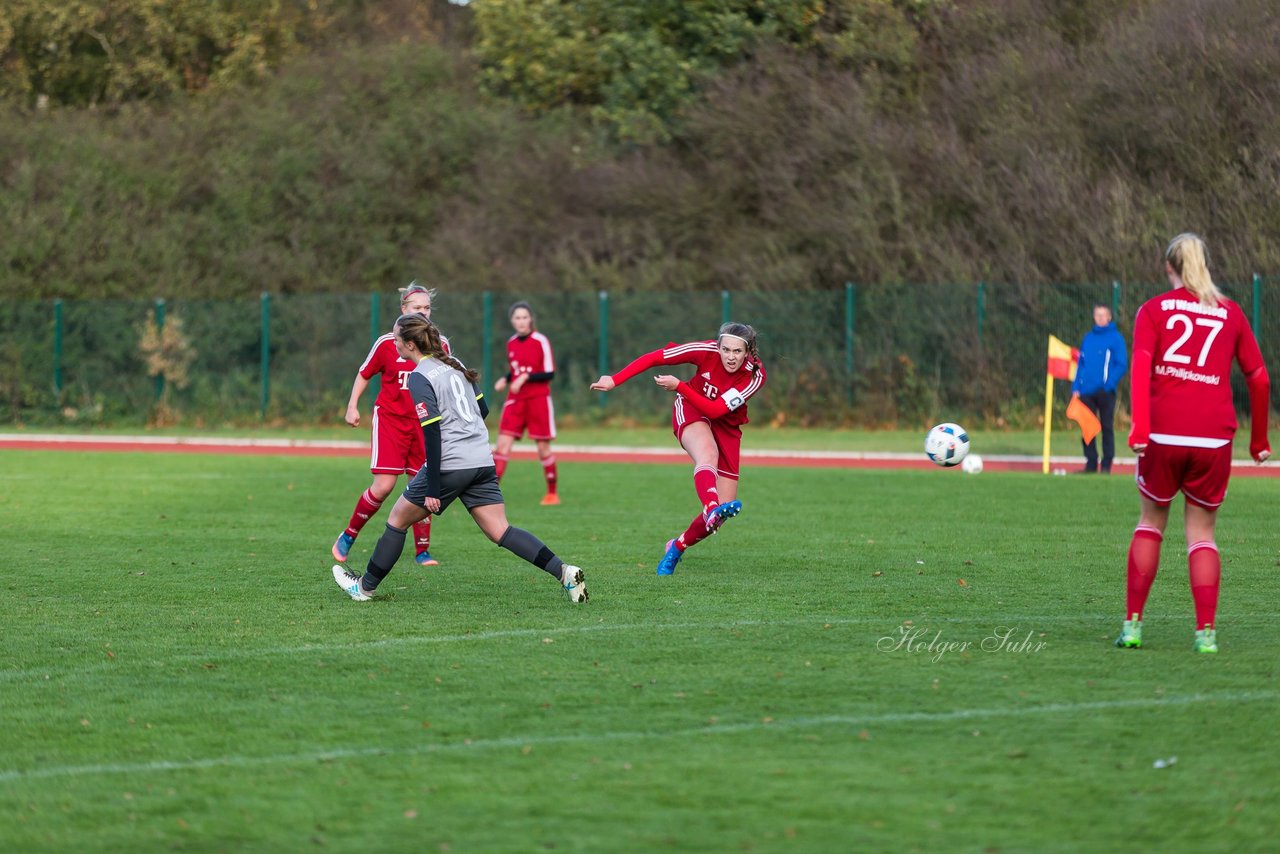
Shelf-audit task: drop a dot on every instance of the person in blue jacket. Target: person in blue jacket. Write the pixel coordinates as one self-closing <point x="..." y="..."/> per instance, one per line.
<point x="1103" y="361"/>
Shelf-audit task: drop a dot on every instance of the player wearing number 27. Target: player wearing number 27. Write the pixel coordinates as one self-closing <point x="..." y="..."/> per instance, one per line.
<point x="1184" y="342"/>
<point x="707" y="417"/>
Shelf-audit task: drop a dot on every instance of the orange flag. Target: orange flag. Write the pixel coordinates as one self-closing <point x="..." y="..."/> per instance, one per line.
<point x="1063" y="359"/>
<point x="1083" y="415"/>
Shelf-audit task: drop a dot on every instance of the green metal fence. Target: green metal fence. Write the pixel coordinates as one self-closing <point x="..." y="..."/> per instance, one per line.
<point x="876" y="354"/>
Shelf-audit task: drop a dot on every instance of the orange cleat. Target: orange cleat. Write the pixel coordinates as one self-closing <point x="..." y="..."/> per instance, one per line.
<point x="550" y="499"/>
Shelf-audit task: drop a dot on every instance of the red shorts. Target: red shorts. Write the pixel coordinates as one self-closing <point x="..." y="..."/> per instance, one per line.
<point x="397" y="445"/>
<point x="535" y="414"/>
<point x="1200" y="473"/>
<point x="728" y="439"/>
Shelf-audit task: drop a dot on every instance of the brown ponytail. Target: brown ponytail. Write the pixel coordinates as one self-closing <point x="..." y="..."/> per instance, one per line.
<point x="426" y="337"/>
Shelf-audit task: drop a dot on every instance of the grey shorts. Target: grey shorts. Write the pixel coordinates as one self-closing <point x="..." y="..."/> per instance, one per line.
<point x="476" y="488"/>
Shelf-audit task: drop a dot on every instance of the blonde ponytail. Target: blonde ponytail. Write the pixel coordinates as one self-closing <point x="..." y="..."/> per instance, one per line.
<point x="1189" y="258"/>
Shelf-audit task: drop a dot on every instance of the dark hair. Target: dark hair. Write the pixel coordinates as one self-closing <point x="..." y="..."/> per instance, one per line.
<point x="521" y="304"/>
<point x="743" y="331"/>
<point x="426" y="337"/>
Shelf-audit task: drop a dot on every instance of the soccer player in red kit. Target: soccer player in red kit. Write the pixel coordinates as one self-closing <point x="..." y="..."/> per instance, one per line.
<point x="1184" y="341"/>
<point x="707" y="417"/>
<point x="396" y="437"/>
<point x="528" y="405"/>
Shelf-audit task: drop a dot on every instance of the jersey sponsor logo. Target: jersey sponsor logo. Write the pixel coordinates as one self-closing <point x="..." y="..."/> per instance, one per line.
<point x="404" y="379"/>
<point x="420" y="409"/>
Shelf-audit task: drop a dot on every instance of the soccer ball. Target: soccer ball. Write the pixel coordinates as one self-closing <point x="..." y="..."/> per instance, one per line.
<point x="947" y="444"/>
<point x="972" y="464"/>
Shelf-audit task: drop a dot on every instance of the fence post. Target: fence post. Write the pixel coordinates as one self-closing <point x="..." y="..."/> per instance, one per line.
<point x="726" y="307"/>
<point x="982" y="308"/>
<point x="264" y="367"/>
<point x="160" y="335"/>
<point x="603" y="356"/>
<point x="1257" y="307"/>
<point x="375" y="332"/>
<point x="1115" y="298"/>
<point x="486" y="340"/>
<point x="57" y="348"/>
<point x="848" y="336"/>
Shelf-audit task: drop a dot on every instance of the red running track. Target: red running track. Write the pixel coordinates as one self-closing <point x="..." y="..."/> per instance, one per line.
<point x="572" y="453"/>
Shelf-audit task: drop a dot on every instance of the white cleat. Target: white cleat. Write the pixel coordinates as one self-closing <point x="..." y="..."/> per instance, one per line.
<point x="350" y="583"/>
<point x="574" y="583"/>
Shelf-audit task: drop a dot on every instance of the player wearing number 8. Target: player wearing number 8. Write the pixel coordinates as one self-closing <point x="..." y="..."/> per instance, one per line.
<point x="1184" y="342"/>
<point x="450" y="410"/>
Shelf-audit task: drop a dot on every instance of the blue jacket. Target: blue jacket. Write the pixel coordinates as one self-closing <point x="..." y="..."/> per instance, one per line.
<point x="1103" y="360"/>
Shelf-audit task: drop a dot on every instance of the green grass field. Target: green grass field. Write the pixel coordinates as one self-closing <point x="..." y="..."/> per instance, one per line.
<point x="181" y="673"/>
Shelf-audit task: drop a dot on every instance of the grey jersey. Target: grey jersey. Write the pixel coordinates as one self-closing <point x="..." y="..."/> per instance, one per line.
<point x="442" y="394"/>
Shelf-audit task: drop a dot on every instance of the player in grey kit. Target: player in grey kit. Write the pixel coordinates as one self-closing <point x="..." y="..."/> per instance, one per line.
<point x="451" y="409"/>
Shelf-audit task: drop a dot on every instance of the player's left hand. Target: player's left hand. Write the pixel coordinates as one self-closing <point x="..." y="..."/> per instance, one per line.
<point x="518" y="383"/>
<point x="1260" y="454"/>
<point x="432" y="504"/>
<point x="666" y="381"/>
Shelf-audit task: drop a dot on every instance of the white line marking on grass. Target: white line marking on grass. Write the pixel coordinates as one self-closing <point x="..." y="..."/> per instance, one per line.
<point x="781" y="724"/>
<point x="45" y="672"/>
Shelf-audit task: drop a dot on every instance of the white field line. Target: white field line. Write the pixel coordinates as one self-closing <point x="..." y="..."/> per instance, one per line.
<point x="1017" y="622"/>
<point x="535" y="740"/>
<point x="583" y="450"/>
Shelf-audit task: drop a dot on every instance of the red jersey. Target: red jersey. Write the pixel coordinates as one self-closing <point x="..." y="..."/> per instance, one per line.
<point x="1189" y="348"/>
<point x="531" y="355"/>
<point x="393" y="398"/>
<point x="712" y="391"/>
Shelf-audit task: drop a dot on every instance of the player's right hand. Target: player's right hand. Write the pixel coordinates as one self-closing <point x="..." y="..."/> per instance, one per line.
<point x="1260" y="454"/>
<point x="353" y="416"/>
<point x="500" y="384"/>
<point x="605" y="383"/>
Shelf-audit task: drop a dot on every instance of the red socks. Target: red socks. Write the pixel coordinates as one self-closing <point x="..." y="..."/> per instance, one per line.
<point x="695" y="533"/>
<point x="1144" y="560"/>
<point x="1203" y="563"/>
<point x="549" y="472"/>
<point x="365" y="507"/>
<point x="704" y="481"/>
<point x="422" y="536"/>
<point x="1205" y="566"/>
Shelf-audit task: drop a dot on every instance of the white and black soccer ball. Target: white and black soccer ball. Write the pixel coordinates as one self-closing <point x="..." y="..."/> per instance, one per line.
<point x="972" y="464"/>
<point x="947" y="445"/>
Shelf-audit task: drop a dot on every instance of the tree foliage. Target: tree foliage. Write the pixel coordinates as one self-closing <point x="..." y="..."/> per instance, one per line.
<point x="636" y="65"/>
<point x="90" y="52"/>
